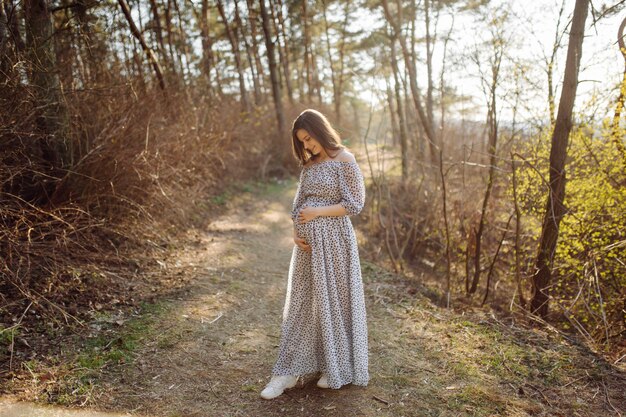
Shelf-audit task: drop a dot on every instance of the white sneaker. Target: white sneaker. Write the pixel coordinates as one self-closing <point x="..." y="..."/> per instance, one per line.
<point x="323" y="381"/>
<point x="277" y="385"/>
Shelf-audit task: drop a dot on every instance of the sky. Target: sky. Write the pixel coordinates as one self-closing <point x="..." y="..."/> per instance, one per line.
<point x="530" y="31"/>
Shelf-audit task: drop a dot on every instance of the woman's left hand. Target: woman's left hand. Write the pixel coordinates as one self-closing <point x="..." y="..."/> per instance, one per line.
<point x="307" y="214"/>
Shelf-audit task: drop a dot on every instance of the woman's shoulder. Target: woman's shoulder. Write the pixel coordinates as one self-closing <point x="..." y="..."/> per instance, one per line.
<point x="345" y="156"/>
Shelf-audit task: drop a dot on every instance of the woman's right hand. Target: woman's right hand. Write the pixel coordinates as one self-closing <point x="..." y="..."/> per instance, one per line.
<point x="301" y="242"/>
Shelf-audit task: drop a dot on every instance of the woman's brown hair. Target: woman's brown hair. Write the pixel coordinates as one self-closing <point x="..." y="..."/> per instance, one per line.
<point x="317" y="126"/>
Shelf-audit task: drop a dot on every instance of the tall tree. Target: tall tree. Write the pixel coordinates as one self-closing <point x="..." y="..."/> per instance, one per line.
<point x="158" y="31"/>
<point x="137" y="33"/>
<point x="554" y="209"/>
<point x="170" y="41"/>
<point x="252" y="20"/>
<point x="4" y="39"/>
<point x="207" y="45"/>
<point x="45" y="79"/>
<point x="404" y="151"/>
<point x="409" y="63"/>
<point x="283" y="48"/>
<point x="250" y="52"/>
<point x="429" y="64"/>
<point x="92" y="46"/>
<point x="336" y="74"/>
<point x="269" y="46"/>
<point x="234" y="43"/>
<point x="551" y="61"/>
<point x="615" y="128"/>
<point x="490" y="82"/>
<point x="307" y="52"/>
<point x="14" y="32"/>
<point x="317" y="82"/>
<point x="13" y="42"/>
<point x="184" y="47"/>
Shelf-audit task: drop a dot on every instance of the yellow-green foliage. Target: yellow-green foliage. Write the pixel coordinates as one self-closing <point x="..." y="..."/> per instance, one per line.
<point x="589" y="281"/>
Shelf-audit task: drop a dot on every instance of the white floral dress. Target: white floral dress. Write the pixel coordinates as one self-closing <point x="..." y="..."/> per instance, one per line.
<point x="324" y="326"/>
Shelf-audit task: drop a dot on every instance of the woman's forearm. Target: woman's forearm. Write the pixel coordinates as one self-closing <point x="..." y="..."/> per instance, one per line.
<point x="334" y="210"/>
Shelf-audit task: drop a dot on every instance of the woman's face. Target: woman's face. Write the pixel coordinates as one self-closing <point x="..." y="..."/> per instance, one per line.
<point x="310" y="143"/>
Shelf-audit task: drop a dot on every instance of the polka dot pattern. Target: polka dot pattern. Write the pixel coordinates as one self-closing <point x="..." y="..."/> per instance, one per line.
<point x="324" y="326"/>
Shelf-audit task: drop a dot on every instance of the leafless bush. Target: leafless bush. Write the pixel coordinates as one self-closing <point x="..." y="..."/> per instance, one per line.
<point x="72" y="237"/>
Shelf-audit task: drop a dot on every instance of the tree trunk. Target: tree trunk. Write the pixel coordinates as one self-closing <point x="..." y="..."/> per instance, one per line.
<point x="331" y="66"/>
<point x="555" y="210"/>
<point x="168" y="29"/>
<point x="176" y="59"/>
<point x="249" y="54"/>
<point x="307" y="52"/>
<point x="415" y="92"/>
<point x="442" y="86"/>
<point x="444" y="208"/>
<point x="12" y="42"/>
<point x="4" y="40"/>
<point x="337" y="74"/>
<point x="235" y="47"/>
<point x="558" y="36"/>
<point x="284" y="56"/>
<point x="269" y="45"/>
<point x="404" y="151"/>
<point x="429" y="66"/>
<point x="551" y="105"/>
<point x="151" y="56"/>
<point x="252" y="19"/>
<point x="207" y="45"/>
<point x="342" y="61"/>
<point x="44" y="78"/>
<point x="185" y="46"/>
<point x="518" y="232"/>
<point x="157" y="27"/>
<point x="616" y="137"/>
<point x="94" y="49"/>
<point x="137" y="61"/>
<point x="395" y="129"/>
<point x="316" y="75"/>
<point x="492" y="125"/>
<point x="420" y="140"/>
<point x="69" y="64"/>
<point x="13" y="26"/>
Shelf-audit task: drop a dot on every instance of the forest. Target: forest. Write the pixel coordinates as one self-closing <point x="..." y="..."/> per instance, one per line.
<point x="491" y="135"/>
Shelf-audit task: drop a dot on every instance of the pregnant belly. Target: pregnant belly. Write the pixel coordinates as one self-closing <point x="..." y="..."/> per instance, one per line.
<point x="304" y="231"/>
<point x="314" y="229"/>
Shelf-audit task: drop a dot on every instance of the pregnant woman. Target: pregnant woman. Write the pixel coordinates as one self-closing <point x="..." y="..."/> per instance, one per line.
<point x="324" y="327"/>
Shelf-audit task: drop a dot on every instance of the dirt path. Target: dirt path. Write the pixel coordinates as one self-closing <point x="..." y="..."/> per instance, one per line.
<point x="209" y="350"/>
<point x="217" y="345"/>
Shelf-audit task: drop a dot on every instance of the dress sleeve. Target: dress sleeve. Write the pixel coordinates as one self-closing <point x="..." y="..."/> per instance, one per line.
<point x="352" y="188"/>
<point x="298" y="199"/>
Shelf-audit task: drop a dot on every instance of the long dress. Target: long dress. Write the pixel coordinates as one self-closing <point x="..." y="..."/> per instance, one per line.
<point x="324" y="327"/>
